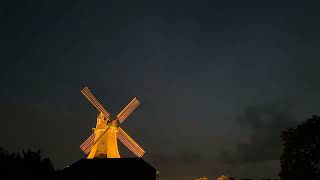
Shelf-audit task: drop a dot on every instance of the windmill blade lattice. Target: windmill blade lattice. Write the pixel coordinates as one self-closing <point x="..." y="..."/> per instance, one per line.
<point x="85" y="145"/>
<point x="87" y="93"/>
<point x="128" y="110"/>
<point x="130" y="143"/>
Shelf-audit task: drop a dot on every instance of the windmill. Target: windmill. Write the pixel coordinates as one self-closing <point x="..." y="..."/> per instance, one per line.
<point x="103" y="142"/>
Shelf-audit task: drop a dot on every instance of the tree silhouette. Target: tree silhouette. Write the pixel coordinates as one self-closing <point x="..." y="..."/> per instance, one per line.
<point x="29" y="165"/>
<point x="301" y="154"/>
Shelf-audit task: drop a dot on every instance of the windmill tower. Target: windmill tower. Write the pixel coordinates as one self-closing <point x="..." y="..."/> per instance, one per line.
<point x="103" y="142"/>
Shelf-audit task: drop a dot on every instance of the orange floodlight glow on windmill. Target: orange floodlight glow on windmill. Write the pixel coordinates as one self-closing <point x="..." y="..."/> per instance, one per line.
<point x="103" y="141"/>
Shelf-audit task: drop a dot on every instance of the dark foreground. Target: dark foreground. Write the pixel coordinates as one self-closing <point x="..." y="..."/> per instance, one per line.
<point x="30" y="165"/>
<point x="115" y="168"/>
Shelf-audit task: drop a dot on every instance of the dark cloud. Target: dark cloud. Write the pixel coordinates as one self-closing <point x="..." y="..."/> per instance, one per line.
<point x="264" y="124"/>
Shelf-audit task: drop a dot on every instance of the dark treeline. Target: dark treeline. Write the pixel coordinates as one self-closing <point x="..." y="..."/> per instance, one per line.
<point x="26" y="165"/>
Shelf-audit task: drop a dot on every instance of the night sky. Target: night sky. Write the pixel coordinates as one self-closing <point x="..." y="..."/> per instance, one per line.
<point x="218" y="81"/>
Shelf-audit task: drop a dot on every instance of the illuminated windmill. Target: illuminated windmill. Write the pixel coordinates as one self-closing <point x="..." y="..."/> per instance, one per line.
<point x="103" y="141"/>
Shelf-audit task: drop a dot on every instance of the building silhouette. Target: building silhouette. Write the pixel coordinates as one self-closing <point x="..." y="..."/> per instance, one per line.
<point x="109" y="168"/>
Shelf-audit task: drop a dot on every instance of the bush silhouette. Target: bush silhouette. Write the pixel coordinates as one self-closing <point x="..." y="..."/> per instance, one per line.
<point x="29" y="165"/>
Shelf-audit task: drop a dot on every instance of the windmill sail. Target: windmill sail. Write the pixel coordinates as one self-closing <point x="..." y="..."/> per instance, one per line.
<point x="128" y="110"/>
<point x="86" y="149"/>
<point x="87" y="93"/>
<point x="130" y="143"/>
<point x="84" y="146"/>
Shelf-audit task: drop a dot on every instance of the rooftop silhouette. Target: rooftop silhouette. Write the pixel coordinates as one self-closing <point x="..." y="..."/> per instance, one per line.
<point x="109" y="168"/>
